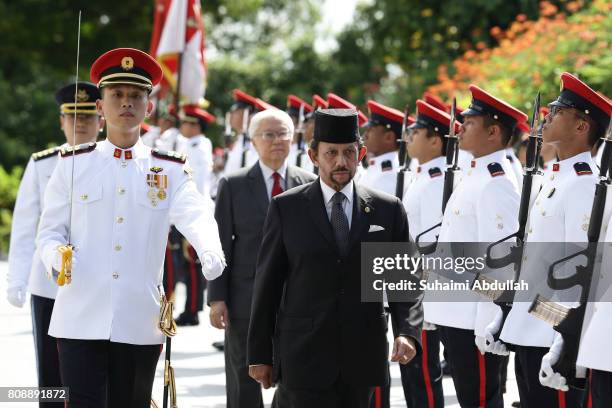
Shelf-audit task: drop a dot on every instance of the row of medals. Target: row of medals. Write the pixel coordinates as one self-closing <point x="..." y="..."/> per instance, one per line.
<point x="158" y="184"/>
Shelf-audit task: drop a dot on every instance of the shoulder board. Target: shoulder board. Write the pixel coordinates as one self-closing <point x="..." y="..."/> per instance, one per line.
<point x="496" y="169"/>
<point x="78" y="149"/>
<point x="169" y="155"/>
<point x="435" y="172"/>
<point x="510" y="158"/>
<point x="386" y="165"/>
<point x="582" y="168"/>
<point x="45" y="154"/>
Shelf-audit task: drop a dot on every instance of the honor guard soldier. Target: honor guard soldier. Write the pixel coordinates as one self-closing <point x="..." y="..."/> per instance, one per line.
<point x="108" y="244"/>
<point x="26" y="271"/>
<point x="198" y="150"/>
<point x="241" y="111"/>
<point x="561" y="213"/>
<point x="482" y="208"/>
<point x="166" y="119"/>
<point x="299" y="111"/>
<point x="422" y="378"/>
<point x="596" y="334"/>
<point x="383" y="131"/>
<point x="171" y="138"/>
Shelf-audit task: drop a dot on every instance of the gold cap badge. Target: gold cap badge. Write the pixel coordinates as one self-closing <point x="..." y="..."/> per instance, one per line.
<point x="127" y="63"/>
<point x="82" y="95"/>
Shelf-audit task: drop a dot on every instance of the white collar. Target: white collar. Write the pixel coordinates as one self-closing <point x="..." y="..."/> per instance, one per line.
<point x="482" y="162"/>
<point x="566" y="165"/>
<point x="267" y="171"/>
<point x="439" y="161"/>
<point x="328" y="192"/>
<point x="108" y="148"/>
<point x="375" y="161"/>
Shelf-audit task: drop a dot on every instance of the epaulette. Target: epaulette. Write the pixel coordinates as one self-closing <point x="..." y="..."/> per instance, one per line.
<point x="169" y="155"/>
<point x="435" y="172"/>
<point x="78" y="149"/>
<point x="510" y="158"/>
<point x="496" y="169"/>
<point x="386" y="165"/>
<point x="582" y="168"/>
<point x="45" y="154"/>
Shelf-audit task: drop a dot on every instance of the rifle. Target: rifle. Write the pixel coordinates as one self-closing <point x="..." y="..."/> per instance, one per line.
<point x="300" y="137"/>
<point x="452" y="157"/>
<point x="246" y="141"/>
<point x="404" y="159"/>
<point x="515" y="256"/>
<point x="568" y="321"/>
<point x="227" y="136"/>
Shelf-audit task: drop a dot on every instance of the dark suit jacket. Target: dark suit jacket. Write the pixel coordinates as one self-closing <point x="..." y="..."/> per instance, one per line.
<point x="241" y="207"/>
<point x="307" y="318"/>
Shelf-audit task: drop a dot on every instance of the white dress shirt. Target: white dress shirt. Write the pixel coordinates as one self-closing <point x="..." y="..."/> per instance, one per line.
<point x="269" y="179"/>
<point x="347" y="204"/>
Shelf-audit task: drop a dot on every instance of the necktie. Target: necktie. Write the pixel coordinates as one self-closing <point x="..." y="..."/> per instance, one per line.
<point x="276" y="187"/>
<point x="340" y="222"/>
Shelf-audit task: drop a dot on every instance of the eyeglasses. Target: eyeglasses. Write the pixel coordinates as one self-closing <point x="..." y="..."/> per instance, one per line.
<point x="270" y="136"/>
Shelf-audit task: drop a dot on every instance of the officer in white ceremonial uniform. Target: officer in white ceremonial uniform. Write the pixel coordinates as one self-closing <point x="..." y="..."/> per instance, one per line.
<point x="561" y="213"/>
<point x="166" y="120"/>
<point x="125" y="196"/>
<point x="482" y="208"/>
<point x="597" y="332"/>
<point x="422" y="201"/>
<point x="170" y="138"/>
<point x="383" y="130"/>
<point x="198" y="150"/>
<point x="26" y="271"/>
<point x="299" y="157"/>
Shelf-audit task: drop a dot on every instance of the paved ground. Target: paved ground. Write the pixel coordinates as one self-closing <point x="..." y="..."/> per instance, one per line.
<point x="199" y="367"/>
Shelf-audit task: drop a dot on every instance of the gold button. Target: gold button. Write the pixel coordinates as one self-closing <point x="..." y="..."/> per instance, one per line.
<point x="119" y="220"/>
<point x="552" y="177"/>
<point x="84" y="197"/>
<point x="121" y="190"/>
<point x="115" y="275"/>
<point x="543" y="213"/>
<point x="530" y="230"/>
<point x="117" y="247"/>
<point x="456" y="212"/>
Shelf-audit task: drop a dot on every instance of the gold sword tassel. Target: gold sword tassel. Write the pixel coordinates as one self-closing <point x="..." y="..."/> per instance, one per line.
<point x="65" y="275"/>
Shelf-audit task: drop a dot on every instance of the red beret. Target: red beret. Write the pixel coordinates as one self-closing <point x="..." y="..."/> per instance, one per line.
<point x="126" y="66"/>
<point x="578" y="95"/>
<point x="363" y="119"/>
<point x="436" y="102"/>
<point x="336" y="102"/>
<point x="243" y="98"/>
<point x="262" y="105"/>
<point x="195" y="112"/>
<point x="429" y="116"/>
<point x="319" y="102"/>
<point x="484" y="103"/>
<point x="294" y="103"/>
<point x="385" y="116"/>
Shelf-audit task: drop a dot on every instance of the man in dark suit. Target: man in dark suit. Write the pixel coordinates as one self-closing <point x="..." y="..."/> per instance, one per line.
<point x="242" y="204"/>
<point x="309" y="331"/>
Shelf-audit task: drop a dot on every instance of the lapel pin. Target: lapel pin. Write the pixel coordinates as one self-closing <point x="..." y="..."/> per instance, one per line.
<point x="367" y="209"/>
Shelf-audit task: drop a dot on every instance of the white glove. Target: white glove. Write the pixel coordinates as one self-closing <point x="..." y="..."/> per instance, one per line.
<point x="428" y="326"/>
<point x="548" y="377"/>
<point x="492" y="346"/>
<point x="212" y="265"/>
<point x="481" y="344"/>
<point x="16" y="295"/>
